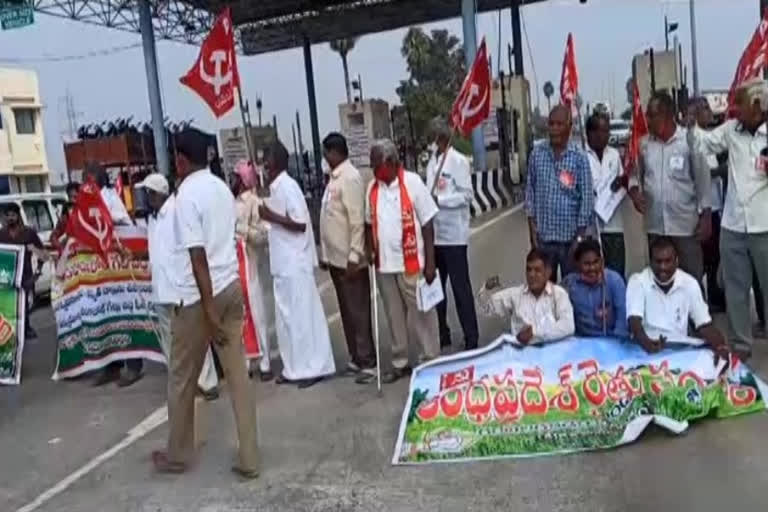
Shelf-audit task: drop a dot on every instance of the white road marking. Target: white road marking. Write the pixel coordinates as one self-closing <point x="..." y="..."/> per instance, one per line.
<point x="160" y="416"/>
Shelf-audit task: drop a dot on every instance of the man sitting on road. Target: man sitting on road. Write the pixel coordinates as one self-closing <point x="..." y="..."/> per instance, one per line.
<point x="539" y="310"/>
<point x="597" y="293"/>
<point x="662" y="299"/>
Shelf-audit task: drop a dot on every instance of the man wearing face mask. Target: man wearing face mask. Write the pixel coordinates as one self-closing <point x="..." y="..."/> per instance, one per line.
<point x="662" y="300"/>
<point x="597" y="293"/>
<point x="453" y="193"/>
<point x="400" y="237"/>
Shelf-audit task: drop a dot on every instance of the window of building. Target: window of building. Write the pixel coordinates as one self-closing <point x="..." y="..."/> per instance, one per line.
<point x="37" y="214"/>
<point x="34" y="184"/>
<point x="25" y="120"/>
<point x="5" y="186"/>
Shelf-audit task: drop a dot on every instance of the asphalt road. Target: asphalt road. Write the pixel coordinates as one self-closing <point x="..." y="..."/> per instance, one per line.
<point x="65" y="446"/>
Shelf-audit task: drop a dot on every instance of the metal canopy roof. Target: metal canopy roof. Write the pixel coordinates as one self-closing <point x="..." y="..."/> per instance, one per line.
<point x="266" y="25"/>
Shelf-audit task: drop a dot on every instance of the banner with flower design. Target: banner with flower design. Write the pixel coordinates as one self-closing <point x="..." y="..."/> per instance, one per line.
<point x="578" y="394"/>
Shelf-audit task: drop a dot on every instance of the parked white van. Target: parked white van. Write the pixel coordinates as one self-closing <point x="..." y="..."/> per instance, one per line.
<point x="41" y="212"/>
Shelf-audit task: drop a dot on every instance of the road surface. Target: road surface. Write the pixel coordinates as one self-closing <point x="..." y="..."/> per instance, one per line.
<point x="69" y="447"/>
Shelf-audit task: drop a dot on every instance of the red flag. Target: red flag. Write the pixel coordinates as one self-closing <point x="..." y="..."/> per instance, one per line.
<point x="249" y="332"/>
<point x="639" y="130"/>
<point x="214" y="75"/>
<point x="473" y="104"/>
<point x="89" y="221"/>
<point x="119" y="186"/>
<point x="569" y="81"/>
<point x="752" y="62"/>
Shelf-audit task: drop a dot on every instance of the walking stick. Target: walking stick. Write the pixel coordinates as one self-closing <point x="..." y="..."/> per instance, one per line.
<point x="375" y="306"/>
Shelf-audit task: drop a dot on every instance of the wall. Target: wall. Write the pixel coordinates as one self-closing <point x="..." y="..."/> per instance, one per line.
<point x="23" y="160"/>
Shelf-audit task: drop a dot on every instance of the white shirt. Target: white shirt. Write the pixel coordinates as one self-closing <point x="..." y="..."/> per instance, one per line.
<point x="115" y="205"/>
<point x="165" y="259"/>
<point x="668" y="313"/>
<point x="389" y="219"/>
<point x="746" y="200"/>
<point x="550" y="314"/>
<point x="290" y="253"/>
<point x="454" y="195"/>
<point x="205" y="217"/>
<point x="606" y="171"/>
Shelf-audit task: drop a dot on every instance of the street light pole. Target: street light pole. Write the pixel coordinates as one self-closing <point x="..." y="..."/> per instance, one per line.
<point x="694" y="55"/>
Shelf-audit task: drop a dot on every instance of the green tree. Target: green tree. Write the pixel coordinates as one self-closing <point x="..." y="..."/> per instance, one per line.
<point x="436" y="70"/>
<point x="343" y="47"/>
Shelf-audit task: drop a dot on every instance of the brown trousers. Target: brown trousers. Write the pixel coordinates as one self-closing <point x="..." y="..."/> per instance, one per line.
<point x="190" y="344"/>
<point x="354" y="296"/>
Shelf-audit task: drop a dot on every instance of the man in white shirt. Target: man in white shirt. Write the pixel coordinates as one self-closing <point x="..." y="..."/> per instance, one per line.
<point x="302" y="329"/>
<point x="538" y="311"/>
<point x="744" y="233"/>
<point x="607" y="174"/>
<point x="210" y="312"/>
<point x="662" y="300"/>
<point x="165" y="260"/>
<point x="399" y="231"/>
<point x="453" y="193"/>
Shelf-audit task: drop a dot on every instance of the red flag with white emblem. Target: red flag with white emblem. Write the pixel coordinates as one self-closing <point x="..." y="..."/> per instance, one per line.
<point x="89" y="221"/>
<point x="752" y="62"/>
<point x="214" y="76"/>
<point x="639" y="130"/>
<point x="569" y="81"/>
<point x="473" y="104"/>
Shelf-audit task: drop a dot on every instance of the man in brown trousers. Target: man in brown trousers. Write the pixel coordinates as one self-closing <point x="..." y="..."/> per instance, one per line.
<point x="210" y="312"/>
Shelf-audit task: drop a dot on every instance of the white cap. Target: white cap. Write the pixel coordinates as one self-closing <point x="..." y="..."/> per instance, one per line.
<point x="155" y="182"/>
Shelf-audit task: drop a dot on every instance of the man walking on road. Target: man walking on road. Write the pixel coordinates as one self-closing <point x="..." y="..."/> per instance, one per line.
<point x="744" y="234"/>
<point x="211" y="311"/>
<point x="399" y="212"/>
<point x="453" y="195"/>
<point x="165" y="261"/>
<point x="675" y="195"/>
<point x="342" y="239"/>
<point x="559" y="197"/>
<point x="302" y="329"/>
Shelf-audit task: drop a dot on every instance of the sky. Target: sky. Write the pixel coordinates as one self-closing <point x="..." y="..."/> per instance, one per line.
<point x="607" y="33"/>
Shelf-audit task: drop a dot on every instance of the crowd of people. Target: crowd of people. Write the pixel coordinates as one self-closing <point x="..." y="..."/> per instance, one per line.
<point x="412" y="233"/>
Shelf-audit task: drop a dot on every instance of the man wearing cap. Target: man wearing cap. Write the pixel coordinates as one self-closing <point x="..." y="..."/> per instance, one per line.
<point x="164" y="261"/>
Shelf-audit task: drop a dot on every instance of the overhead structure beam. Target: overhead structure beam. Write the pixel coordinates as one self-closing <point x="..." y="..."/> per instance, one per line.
<point x="310" y="74"/>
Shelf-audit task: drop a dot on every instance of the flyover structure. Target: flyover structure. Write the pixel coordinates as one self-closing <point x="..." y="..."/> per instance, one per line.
<point x="270" y="25"/>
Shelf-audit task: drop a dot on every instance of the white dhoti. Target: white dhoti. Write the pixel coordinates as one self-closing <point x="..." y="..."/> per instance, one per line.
<point x="302" y="329"/>
<point x="258" y="311"/>
<point x="208" y="379"/>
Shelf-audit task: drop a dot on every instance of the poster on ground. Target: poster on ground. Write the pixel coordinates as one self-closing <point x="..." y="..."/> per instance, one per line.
<point x="506" y="400"/>
<point x="12" y="313"/>
<point x="103" y="313"/>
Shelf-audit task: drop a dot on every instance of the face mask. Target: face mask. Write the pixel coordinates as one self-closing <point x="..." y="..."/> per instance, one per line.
<point x="380" y="172"/>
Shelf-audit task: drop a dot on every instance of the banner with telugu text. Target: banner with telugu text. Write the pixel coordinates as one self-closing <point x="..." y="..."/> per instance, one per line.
<point x="506" y="400"/>
<point x="12" y="313"/>
<point x="103" y="313"/>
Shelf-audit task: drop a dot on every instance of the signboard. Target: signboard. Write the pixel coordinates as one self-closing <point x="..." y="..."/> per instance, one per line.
<point x="15" y="14"/>
<point x="578" y="394"/>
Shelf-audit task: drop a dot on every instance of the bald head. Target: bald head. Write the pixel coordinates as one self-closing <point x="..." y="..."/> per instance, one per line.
<point x="559" y="126"/>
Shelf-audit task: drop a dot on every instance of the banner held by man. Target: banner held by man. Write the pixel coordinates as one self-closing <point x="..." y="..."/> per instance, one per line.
<point x="12" y="313"/>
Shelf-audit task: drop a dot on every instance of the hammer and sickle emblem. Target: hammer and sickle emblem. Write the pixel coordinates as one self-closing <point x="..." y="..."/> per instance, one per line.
<point x="219" y="79"/>
<point x="467" y="110"/>
<point x="100" y="231"/>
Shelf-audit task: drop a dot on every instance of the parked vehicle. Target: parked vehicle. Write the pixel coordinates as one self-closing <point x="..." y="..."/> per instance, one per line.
<point x="41" y="212"/>
<point x="619" y="133"/>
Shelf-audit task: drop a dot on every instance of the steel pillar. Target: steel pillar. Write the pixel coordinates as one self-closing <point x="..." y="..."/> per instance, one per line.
<point x="517" y="39"/>
<point x="316" y="153"/>
<point x="470" y="50"/>
<point x="694" y="51"/>
<point x="153" y="88"/>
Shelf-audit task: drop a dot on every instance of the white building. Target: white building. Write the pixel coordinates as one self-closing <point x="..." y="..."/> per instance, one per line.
<point x="23" y="161"/>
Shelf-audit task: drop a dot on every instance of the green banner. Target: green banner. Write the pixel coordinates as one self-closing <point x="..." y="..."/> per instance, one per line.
<point x="578" y="394"/>
<point x="103" y="314"/>
<point x="12" y="313"/>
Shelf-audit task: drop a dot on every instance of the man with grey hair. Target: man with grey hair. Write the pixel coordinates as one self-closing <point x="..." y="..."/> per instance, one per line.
<point x="448" y="179"/>
<point x="744" y="233"/>
<point x="400" y="239"/>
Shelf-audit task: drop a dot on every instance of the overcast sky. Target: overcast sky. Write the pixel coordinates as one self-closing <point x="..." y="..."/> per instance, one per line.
<point x="607" y="34"/>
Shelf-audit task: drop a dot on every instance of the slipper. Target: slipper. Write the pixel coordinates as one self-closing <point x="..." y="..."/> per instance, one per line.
<point x="246" y="474"/>
<point x="163" y="465"/>
<point x="280" y="380"/>
<point x="308" y="383"/>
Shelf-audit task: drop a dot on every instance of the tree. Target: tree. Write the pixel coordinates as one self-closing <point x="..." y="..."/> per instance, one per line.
<point x="549" y="91"/>
<point x="343" y="47"/>
<point x="436" y="70"/>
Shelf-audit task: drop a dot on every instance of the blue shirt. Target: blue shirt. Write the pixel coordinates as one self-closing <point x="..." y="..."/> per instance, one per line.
<point x="587" y="301"/>
<point x="558" y="193"/>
